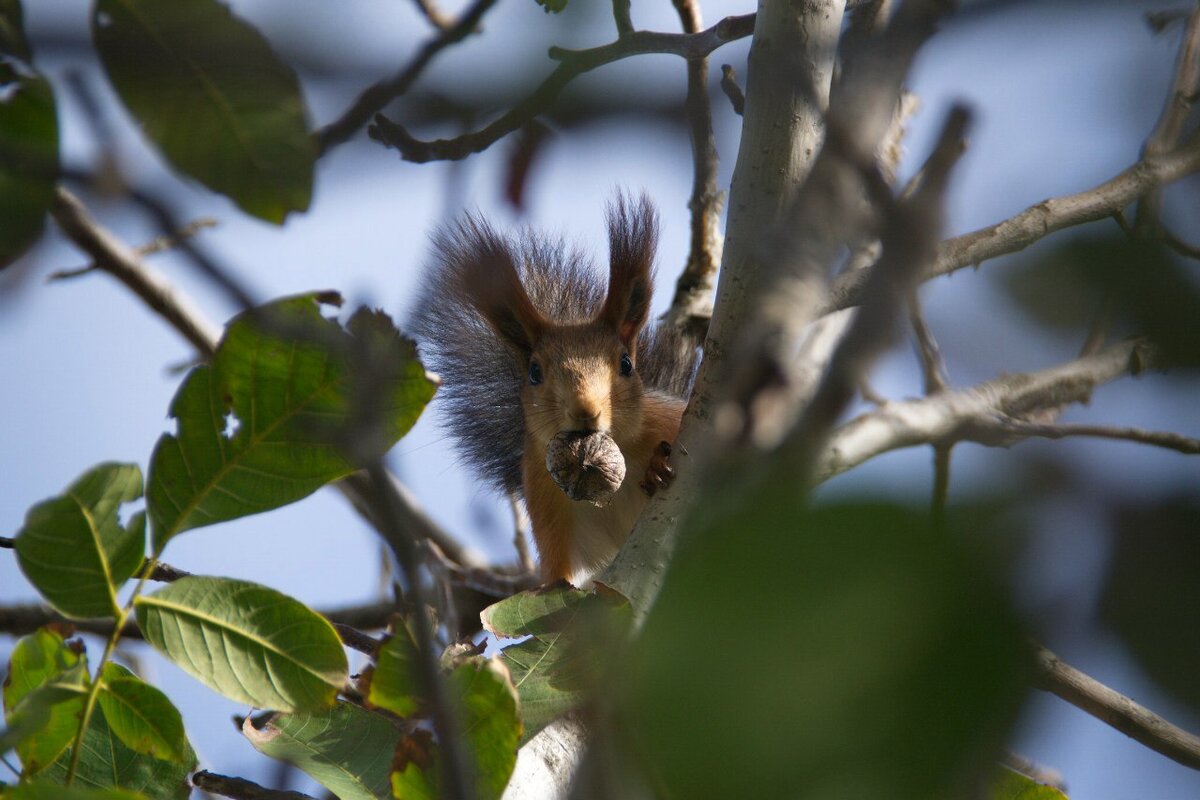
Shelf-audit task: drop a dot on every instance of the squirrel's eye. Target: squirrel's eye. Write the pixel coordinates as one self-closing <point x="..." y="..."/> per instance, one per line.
<point x="626" y="365"/>
<point x="535" y="373"/>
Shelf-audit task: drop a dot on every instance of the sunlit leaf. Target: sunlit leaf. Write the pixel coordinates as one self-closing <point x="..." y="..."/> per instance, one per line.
<point x="1010" y="785"/>
<point x="415" y="769"/>
<point x="35" y="729"/>
<point x="346" y="749"/>
<point x="73" y="547"/>
<point x="250" y="643"/>
<point x="393" y="683"/>
<point x="52" y="791"/>
<point x="210" y="93"/>
<point x="850" y="651"/>
<point x="141" y="716"/>
<point x="554" y="667"/>
<point x="284" y="372"/>
<point x="37" y="660"/>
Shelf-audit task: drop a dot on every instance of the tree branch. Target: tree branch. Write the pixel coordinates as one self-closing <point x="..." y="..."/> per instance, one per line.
<point x="691" y="307"/>
<point x="1039" y="220"/>
<point x="21" y="619"/>
<point x="1164" y="439"/>
<point x="240" y="788"/>
<point x="572" y="64"/>
<point x="380" y="94"/>
<point x="110" y="255"/>
<point x="1115" y="709"/>
<point x="970" y="414"/>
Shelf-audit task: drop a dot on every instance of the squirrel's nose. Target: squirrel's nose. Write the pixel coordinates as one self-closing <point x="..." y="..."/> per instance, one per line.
<point x="585" y="417"/>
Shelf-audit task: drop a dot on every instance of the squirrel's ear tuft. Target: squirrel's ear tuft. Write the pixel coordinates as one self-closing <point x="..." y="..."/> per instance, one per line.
<point x="632" y="239"/>
<point x="486" y="272"/>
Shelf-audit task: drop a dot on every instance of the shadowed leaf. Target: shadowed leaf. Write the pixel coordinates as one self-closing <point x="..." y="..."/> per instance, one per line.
<point x="287" y="374"/>
<point x="210" y="93"/>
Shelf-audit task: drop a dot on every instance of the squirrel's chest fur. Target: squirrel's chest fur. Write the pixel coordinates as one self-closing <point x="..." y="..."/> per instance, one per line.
<point x="575" y="539"/>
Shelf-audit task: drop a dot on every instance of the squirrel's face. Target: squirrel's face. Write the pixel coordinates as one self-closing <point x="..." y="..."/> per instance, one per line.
<point x="581" y="378"/>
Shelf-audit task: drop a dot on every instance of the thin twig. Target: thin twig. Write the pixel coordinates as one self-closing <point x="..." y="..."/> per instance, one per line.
<point x="356" y="639"/>
<point x="1165" y="136"/>
<point x="385" y="91"/>
<point x="572" y="64"/>
<point x="1179" y="245"/>
<point x="1038" y="221"/>
<point x="26" y="618"/>
<point x="1115" y="709"/>
<point x="431" y="12"/>
<point x="156" y="245"/>
<point x="933" y="366"/>
<point x="112" y="256"/>
<point x="240" y="788"/>
<point x="941" y="485"/>
<point x="694" y="289"/>
<point x="521" y="531"/>
<point x="1164" y="439"/>
<point x="729" y="86"/>
<point x="163" y="573"/>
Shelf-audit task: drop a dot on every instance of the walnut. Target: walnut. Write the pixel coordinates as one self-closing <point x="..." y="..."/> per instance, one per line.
<point x="586" y="465"/>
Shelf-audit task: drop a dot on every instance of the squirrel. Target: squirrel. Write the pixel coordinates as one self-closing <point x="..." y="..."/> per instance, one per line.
<point x="529" y="344"/>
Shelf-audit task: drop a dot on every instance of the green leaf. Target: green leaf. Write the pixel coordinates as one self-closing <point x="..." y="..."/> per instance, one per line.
<point x="554" y="668"/>
<point x="250" y="643"/>
<point x="285" y="373"/>
<point x="141" y="716"/>
<point x="393" y="683"/>
<point x="491" y="727"/>
<point x="847" y="651"/>
<point x="38" y="660"/>
<point x="105" y="762"/>
<point x="210" y="93"/>
<point x="12" y="30"/>
<point x="53" y="791"/>
<point x="28" y="145"/>
<point x="1010" y="785"/>
<point x="74" y="549"/>
<point x="346" y="749"/>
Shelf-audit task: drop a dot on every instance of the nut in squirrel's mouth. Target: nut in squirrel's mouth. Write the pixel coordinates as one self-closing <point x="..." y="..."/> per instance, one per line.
<point x="586" y="465"/>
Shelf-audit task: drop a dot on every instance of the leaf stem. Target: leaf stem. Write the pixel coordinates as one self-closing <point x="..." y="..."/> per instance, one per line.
<point x="94" y="690"/>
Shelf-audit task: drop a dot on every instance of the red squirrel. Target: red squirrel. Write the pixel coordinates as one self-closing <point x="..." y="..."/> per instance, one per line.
<point x="529" y="343"/>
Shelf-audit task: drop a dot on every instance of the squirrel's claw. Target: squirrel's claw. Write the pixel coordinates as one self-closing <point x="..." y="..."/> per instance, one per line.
<point x="659" y="473"/>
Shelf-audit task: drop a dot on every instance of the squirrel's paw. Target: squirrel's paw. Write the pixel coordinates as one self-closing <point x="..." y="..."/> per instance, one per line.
<point x="659" y="473"/>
